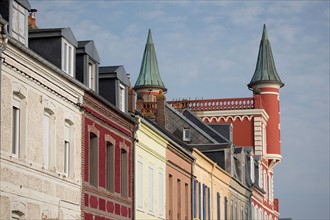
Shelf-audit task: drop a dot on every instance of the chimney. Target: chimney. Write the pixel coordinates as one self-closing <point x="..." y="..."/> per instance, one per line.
<point x="131" y="100"/>
<point x="32" y="19"/>
<point x="160" y="118"/>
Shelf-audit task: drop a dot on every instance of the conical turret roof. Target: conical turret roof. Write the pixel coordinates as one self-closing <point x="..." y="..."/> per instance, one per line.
<point x="149" y="76"/>
<point x="265" y="69"/>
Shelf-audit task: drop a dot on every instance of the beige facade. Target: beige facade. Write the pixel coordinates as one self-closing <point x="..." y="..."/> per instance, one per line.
<point x="40" y="138"/>
<point x="217" y="194"/>
<point x="150" y="172"/>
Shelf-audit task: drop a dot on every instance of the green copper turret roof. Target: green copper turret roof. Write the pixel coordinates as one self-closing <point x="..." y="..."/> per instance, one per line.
<point x="149" y="76"/>
<point x="265" y="69"/>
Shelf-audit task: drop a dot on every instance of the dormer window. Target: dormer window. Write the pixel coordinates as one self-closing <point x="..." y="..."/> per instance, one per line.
<point x="68" y="52"/>
<point x="19" y="23"/>
<point x="91" y="76"/>
<point x="121" y="97"/>
<point x="186" y="134"/>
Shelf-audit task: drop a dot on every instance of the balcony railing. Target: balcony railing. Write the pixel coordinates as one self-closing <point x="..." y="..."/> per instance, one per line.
<point x="214" y="104"/>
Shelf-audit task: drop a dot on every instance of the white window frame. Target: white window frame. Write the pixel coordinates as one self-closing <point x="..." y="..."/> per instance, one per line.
<point x="68" y="58"/>
<point x="186" y="134"/>
<point x="151" y="188"/>
<point x="252" y="168"/>
<point x="91" y="76"/>
<point x="121" y="97"/>
<point x="67" y="149"/>
<point x="46" y="138"/>
<point x="16" y="124"/>
<point x="140" y="183"/>
<point x="19" y="23"/>
<point x="161" y="193"/>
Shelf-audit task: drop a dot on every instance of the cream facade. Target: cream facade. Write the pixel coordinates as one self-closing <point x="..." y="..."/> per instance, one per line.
<point x="216" y="183"/>
<point x="150" y="172"/>
<point x="40" y="138"/>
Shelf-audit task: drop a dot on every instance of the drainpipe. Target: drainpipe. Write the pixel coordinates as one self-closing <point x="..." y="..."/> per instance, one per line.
<point x="3" y="45"/>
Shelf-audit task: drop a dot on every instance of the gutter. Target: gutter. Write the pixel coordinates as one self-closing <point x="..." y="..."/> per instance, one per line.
<point x="3" y="46"/>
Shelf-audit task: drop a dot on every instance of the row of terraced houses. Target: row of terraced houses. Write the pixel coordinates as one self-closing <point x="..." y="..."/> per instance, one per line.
<point x="78" y="141"/>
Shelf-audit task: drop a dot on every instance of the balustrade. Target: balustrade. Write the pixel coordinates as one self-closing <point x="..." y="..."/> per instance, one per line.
<point x="214" y="104"/>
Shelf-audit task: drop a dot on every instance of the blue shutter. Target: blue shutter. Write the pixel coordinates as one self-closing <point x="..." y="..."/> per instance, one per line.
<point x="226" y="204"/>
<point x="194" y="197"/>
<point x="204" y="201"/>
<point x="200" y="200"/>
<point x="218" y="205"/>
<point x="209" y="198"/>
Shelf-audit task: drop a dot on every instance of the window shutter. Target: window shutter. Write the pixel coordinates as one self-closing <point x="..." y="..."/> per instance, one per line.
<point x="218" y="205"/>
<point x="194" y="197"/>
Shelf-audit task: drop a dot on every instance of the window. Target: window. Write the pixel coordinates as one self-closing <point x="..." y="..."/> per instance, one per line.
<point x="226" y="208"/>
<point x="19" y="23"/>
<point x="260" y="174"/>
<point x="93" y="159"/>
<point x="67" y="57"/>
<point x="161" y="192"/>
<point x="218" y="206"/>
<point x="194" y="198"/>
<point x="67" y="148"/>
<point x="252" y="167"/>
<point x="122" y="95"/>
<point x="140" y="183"/>
<point x="151" y="188"/>
<point x="186" y="201"/>
<point x="231" y="210"/>
<point x="46" y="138"/>
<point x="170" y="187"/>
<point x="124" y="172"/>
<point x="91" y="76"/>
<point x="186" y="134"/>
<point x="16" y="123"/>
<point x="178" y="198"/>
<point x="110" y="174"/>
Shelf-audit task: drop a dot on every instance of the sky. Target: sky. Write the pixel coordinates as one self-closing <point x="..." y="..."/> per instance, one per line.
<point x="208" y="49"/>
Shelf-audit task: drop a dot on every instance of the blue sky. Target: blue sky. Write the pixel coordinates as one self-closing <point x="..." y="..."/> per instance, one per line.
<point x="208" y="49"/>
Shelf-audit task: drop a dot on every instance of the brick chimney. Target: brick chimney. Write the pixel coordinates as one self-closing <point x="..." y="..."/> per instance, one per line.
<point x="131" y="100"/>
<point x="160" y="116"/>
<point x="32" y="19"/>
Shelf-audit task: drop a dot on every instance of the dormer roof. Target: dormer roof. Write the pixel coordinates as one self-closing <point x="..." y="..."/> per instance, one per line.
<point x="265" y="71"/>
<point x="66" y="33"/>
<point x="149" y="76"/>
<point x="88" y="47"/>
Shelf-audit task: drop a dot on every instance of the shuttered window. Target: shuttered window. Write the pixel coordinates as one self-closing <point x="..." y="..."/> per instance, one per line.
<point x="66" y="148"/>
<point x="16" y="125"/>
<point x="124" y="173"/>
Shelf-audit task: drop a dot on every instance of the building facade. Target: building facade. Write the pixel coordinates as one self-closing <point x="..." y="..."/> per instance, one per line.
<point x="40" y="156"/>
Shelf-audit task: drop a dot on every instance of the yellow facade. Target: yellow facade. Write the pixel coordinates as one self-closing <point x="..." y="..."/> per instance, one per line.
<point x="217" y="181"/>
<point x="150" y="172"/>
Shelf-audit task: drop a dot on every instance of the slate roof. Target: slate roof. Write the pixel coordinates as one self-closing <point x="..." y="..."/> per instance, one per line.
<point x="149" y="76"/>
<point x="205" y="127"/>
<point x="265" y="71"/>
<point x="54" y="32"/>
<point x="89" y="48"/>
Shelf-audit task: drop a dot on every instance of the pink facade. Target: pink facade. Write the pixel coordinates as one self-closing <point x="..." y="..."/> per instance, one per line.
<point x="178" y="184"/>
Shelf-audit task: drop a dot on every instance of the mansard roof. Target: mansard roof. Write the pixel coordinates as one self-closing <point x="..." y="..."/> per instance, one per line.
<point x="149" y="76"/>
<point x="265" y="71"/>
